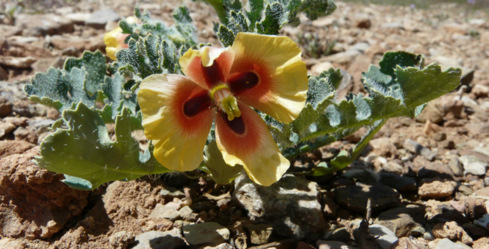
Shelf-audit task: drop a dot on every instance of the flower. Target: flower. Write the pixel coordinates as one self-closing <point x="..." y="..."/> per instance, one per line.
<point x="221" y="85"/>
<point x="114" y="40"/>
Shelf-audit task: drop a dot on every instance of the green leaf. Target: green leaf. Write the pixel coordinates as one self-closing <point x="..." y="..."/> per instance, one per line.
<point x="256" y="7"/>
<point x="84" y="149"/>
<point x="275" y="17"/>
<point x="153" y="46"/>
<point x="403" y="94"/>
<point x="82" y="80"/>
<point x="94" y="63"/>
<point x="225" y="35"/>
<point x="59" y="89"/>
<point x="77" y="183"/>
<point x="141" y="58"/>
<point x="216" y="167"/>
<point x="316" y="8"/>
<point x="401" y="59"/>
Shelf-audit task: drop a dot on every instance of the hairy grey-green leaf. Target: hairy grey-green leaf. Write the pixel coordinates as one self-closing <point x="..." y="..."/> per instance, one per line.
<point x="225" y="35"/>
<point x="402" y="94"/>
<point x="84" y="149"/>
<point x="275" y="17"/>
<point x="59" y="89"/>
<point x="94" y="64"/>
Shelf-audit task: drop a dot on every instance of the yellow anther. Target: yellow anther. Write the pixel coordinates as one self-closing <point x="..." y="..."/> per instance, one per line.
<point x="230" y="105"/>
<point x="226" y="101"/>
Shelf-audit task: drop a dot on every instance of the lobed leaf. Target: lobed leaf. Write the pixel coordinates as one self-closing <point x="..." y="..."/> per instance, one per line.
<point x="94" y="63"/>
<point x="264" y="16"/>
<point x="403" y="93"/>
<point x="85" y="151"/>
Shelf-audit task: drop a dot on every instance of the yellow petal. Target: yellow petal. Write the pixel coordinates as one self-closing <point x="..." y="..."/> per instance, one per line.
<point x="207" y="66"/>
<point x="282" y="87"/>
<point x="246" y="141"/>
<point x="114" y="41"/>
<point x="178" y="135"/>
<point x="110" y="51"/>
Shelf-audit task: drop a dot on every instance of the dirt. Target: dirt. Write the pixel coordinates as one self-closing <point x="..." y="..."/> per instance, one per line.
<point x="428" y="198"/>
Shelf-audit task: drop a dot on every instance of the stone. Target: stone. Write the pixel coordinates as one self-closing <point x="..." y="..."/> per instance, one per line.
<point x="400" y="183"/>
<point x="160" y="240"/>
<point x="170" y="193"/>
<point x="393" y="26"/>
<point x="330" y="207"/>
<point x="360" y="46"/>
<point x="320" y="67"/>
<point x="405" y="243"/>
<point x="3" y="74"/>
<point x="291" y="205"/>
<point x="121" y="239"/>
<point x="432" y="113"/>
<point x="435" y="169"/>
<point x="355" y="197"/>
<point x="480" y="91"/>
<point x="40" y="125"/>
<point x="100" y="18"/>
<point x="5" y="107"/>
<point x="451" y="231"/>
<point x="473" y="165"/>
<point x="220" y="246"/>
<point x="43" y="64"/>
<point x="12" y="243"/>
<point x="6" y="128"/>
<point x="393" y="167"/>
<point x="28" y="135"/>
<point x="401" y="220"/>
<point x="343" y="57"/>
<point x="65" y="42"/>
<point x="211" y="233"/>
<point x="383" y="146"/>
<point x="456" y="167"/>
<point x="447" y="243"/>
<point x="483" y="222"/>
<point x="10" y="147"/>
<point x="467" y="76"/>
<point x="35" y="203"/>
<point x="78" y="18"/>
<point x="41" y="25"/>
<point x="436" y="189"/>
<point x="481" y="243"/>
<point x="417" y="148"/>
<point x="325" y="244"/>
<point x="363" y="23"/>
<point x="187" y="213"/>
<point x="259" y="233"/>
<point x="8" y="30"/>
<point x="167" y="211"/>
<point x="17" y="62"/>
<point x="385" y="237"/>
<point x="476" y="231"/>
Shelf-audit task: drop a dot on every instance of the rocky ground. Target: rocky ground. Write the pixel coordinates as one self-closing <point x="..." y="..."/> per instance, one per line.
<point x="421" y="183"/>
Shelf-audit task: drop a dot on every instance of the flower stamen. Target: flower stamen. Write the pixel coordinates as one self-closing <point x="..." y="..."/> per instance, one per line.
<point x="226" y="101"/>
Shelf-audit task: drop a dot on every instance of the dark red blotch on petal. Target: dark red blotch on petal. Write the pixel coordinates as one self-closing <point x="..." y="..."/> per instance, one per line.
<point x="213" y="74"/>
<point x="196" y="104"/>
<point x="243" y="81"/>
<point x="237" y="124"/>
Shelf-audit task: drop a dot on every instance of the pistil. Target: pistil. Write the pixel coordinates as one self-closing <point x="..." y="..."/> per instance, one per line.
<point x="226" y="101"/>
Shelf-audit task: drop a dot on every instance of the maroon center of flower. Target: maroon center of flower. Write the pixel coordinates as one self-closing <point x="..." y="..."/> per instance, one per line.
<point x="196" y="104"/>
<point x="243" y="81"/>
